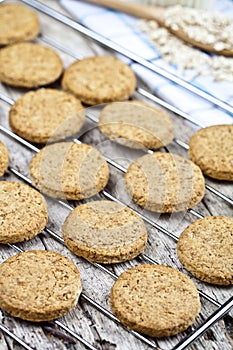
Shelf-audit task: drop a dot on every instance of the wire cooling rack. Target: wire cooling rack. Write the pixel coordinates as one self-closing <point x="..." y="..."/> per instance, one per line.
<point x="214" y="304"/>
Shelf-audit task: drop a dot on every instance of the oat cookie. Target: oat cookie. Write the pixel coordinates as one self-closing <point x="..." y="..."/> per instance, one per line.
<point x="69" y="170"/>
<point x="99" y="79"/>
<point x="29" y="65"/>
<point x="164" y="182"/>
<point x="23" y="212"/>
<point x="39" y="285"/>
<point x="211" y="149"/>
<point x="205" y="249"/>
<point x="4" y="159"/>
<point x="46" y="115"/>
<point x="155" y="300"/>
<point x="136" y="125"/>
<point x="18" y="23"/>
<point x="104" y="232"/>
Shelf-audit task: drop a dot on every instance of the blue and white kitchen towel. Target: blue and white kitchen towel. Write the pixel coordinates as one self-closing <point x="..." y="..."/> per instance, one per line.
<point x="122" y="29"/>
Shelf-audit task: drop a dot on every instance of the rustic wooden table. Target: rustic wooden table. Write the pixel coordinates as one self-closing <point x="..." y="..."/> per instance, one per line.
<point x="86" y="320"/>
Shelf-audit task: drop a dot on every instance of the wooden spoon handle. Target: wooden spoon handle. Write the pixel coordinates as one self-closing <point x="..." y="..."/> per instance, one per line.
<point x="139" y="10"/>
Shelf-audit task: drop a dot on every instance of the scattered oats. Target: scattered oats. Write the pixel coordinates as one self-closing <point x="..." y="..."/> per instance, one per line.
<point x="219" y="46"/>
<point x="175" y="51"/>
<point x="201" y="25"/>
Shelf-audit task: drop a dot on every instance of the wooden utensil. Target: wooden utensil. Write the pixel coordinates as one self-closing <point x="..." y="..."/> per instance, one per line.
<point x="157" y="14"/>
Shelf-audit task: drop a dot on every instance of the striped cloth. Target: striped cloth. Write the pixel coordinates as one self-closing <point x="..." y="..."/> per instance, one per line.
<point x="123" y="30"/>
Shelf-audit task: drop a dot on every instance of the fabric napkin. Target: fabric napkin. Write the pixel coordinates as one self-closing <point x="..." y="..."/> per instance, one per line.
<point x="123" y="30"/>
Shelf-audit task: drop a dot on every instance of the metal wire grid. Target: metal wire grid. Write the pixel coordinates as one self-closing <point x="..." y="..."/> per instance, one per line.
<point x="222" y="309"/>
<point x="216" y="316"/>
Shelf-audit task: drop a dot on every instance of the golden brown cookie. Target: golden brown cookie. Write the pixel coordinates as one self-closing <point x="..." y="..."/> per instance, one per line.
<point x="18" y="23"/>
<point x="39" y="285"/>
<point x="104" y="232"/>
<point x="164" y="182"/>
<point x="23" y="212"/>
<point x="155" y="300"/>
<point x="100" y="79"/>
<point x="205" y="248"/>
<point x="69" y="170"/>
<point x="29" y="65"/>
<point x="4" y="159"/>
<point x="46" y="115"/>
<point x="211" y="149"/>
<point x="136" y="125"/>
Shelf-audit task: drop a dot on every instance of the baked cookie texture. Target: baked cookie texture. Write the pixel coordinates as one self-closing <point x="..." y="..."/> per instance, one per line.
<point x="23" y="212"/>
<point x="100" y="79"/>
<point x="18" y="23"/>
<point x="46" y="115"/>
<point x="39" y="285"/>
<point x="136" y="125"/>
<point x="164" y="182"/>
<point x="29" y="65"/>
<point x="4" y="158"/>
<point x="205" y="249"/>
<point x="69" y="170"/>
<point x="211" y="148"/>
<point x="155" y="300"/>
<point x="104" y="232"/>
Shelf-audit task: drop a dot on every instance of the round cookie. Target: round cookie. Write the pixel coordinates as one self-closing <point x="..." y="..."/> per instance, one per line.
<point x="155" y="300"/>
<point x="100" y="79"/>
<point x="104" y="232"/>
<point x="18" y="23"/>
<point x="23" y="212"/>
<point x="164" y="182"/>
<point x="136" y="125"/>
<point x="39" y="285"/>
<point x="205" y="249"/>
<point x="69" y="170"/>
<point x="46" y="115"/>
<point x="4" y="159"/>
<point x="29" y="65"/>
<point x="211" y="149"/>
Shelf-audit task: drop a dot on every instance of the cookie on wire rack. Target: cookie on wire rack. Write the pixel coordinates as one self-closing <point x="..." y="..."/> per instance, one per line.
<point x="39" y="285"/>
<point x="100" y="79"/>
<point x="4" y="158"/>
<point x="164" y="182"/>
<point x="156" y="300"/>
<point x="69" y="170"/>
<point x="18" y="23"/>
<point x="29" y="65"/>
<point x="23" y="212"/>
<point x="104" y="232"/>
<point x="46" y="115"/>
<point x="136" y="125"/>
<point x="211" y="148"/>
<point x="205" y="249"/>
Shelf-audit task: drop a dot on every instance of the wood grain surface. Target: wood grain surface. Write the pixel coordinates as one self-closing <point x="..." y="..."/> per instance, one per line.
<point x="85" y="319"/>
